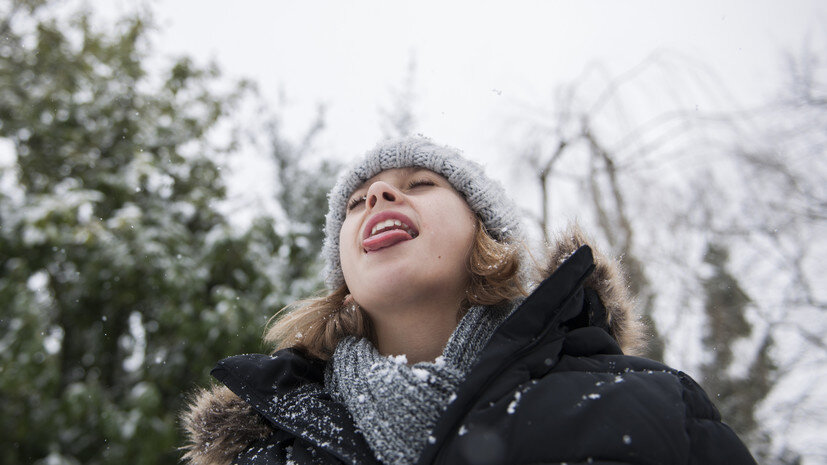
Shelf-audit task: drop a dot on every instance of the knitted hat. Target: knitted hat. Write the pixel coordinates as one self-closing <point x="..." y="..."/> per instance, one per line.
<point x="483" y="195"/>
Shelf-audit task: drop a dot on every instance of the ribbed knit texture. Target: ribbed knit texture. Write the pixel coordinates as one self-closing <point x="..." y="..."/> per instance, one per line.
<point x="484" y="196"/>
<point x="396" y="405"/>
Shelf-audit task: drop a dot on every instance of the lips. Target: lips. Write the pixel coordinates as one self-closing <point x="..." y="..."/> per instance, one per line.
<point x="386" y="229"/>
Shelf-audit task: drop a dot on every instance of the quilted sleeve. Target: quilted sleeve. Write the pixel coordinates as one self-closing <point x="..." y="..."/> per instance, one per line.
<point x="710" y="440"/>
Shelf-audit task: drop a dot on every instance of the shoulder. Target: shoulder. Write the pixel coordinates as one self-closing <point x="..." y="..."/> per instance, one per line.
<point x="271" y="408"/>
<point x="218" y="425"/>
<point x="224" y="420"/>
<point x="653" y="409"/>
<point x="615" y="407"/>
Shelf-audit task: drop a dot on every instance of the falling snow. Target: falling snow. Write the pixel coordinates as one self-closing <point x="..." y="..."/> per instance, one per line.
<point x="512" y="406"/>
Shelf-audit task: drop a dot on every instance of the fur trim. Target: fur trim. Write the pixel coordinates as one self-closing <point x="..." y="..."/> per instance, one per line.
<point x="609" y="283"/>
<point x="219" y="425"/>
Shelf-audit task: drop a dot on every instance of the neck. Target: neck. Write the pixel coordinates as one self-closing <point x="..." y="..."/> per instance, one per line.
<point x="419" y="333"/>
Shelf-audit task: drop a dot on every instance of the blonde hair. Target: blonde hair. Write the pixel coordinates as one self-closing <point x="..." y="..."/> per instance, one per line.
<point x="316" y="325"/>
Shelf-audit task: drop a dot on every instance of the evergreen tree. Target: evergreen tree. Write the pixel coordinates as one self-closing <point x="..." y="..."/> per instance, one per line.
<point x="398" y="118"/>
<point x="120" y="282"/>
<point x="737" y="397"/>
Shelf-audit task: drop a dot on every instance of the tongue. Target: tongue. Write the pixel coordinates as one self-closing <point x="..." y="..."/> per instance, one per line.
<point x="385" y="239"/>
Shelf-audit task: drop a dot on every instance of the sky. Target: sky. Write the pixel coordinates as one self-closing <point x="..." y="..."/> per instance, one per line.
<point x="477" y="63"/>
<point x="473" y="59"/>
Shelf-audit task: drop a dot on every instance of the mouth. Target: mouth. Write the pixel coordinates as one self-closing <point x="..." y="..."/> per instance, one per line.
<point x="386" y="229"/>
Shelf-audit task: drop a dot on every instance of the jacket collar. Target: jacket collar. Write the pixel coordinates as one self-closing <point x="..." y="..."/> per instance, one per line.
<point x="287" y="389"/>
<point x="531" y="337"/>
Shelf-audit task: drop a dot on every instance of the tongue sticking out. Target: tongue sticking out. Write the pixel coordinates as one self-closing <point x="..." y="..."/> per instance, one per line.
<point x="385" y="239"/>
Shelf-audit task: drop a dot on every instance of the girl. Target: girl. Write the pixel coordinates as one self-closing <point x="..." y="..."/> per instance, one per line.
<point x="427" y="350"/>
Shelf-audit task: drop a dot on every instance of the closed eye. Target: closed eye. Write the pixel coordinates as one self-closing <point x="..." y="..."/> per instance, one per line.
<point x="354" y="202"/>
<point x="420" y="182"/>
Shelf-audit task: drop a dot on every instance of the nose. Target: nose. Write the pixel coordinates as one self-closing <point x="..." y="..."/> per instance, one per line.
<point x="380" y="190"/>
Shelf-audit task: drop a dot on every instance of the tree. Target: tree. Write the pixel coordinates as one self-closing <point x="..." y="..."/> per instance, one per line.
<point x="121" y="281"/>
<point x="725" y="306"/>
<point x="399" y="118"/>
<point x="724" y="205"/>
<point x="589" y="145"/>
<point x="301" y="188"/>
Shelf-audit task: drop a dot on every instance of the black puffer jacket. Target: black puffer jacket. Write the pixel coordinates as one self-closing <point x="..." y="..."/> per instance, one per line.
<point x="551" y="387"/>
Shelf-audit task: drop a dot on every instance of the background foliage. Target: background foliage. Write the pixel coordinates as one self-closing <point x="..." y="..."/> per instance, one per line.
<point x="120" y="280"/>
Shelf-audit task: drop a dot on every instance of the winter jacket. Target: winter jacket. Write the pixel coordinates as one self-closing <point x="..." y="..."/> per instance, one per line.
<point x="551" y="387"/>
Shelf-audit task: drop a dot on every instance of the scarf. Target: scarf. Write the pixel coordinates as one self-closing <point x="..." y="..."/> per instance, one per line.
<point x="396" y="405"/>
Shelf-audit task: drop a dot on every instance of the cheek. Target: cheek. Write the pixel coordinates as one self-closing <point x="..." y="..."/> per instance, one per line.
<point x="347" y="247"/>
<point x="455" y="235"/>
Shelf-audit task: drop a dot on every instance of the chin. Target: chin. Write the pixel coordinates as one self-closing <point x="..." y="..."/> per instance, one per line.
<point x="391" y="281"/>
<point x="400" y="286"/>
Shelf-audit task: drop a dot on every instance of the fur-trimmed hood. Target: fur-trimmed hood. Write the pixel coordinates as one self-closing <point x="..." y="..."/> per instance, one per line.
<point x="609" y="283"/>
<point x="218" y="424"/>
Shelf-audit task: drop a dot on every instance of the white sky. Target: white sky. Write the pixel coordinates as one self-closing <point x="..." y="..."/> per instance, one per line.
<point x="348" y="55"/>
<point x="477" y="61"/>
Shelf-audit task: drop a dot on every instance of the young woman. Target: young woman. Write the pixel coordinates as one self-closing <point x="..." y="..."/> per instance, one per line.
<point x="427" y="350"/>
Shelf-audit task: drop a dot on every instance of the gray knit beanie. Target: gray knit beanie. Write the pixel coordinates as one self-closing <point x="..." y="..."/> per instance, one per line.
<point x="484" y="196"/>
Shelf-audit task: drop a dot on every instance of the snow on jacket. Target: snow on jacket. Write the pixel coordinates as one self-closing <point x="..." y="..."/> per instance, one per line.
<point x="551" y="387"/>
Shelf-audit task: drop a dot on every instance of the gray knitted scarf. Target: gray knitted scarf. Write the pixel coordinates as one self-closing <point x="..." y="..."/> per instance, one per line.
<point x="396" y="405"/>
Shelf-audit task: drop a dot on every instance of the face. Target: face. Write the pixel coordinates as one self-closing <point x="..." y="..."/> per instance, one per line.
<point x="406" y="237"/>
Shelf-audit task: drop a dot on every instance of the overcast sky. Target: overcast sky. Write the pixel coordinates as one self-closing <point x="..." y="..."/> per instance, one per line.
<point x="476" y="61"/>
<point x="473" y="57"/>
